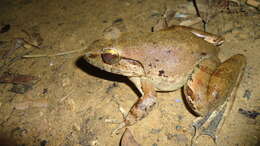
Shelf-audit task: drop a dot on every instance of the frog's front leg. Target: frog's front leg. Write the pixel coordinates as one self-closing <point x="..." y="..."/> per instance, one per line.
<point x="142" y="106"/>
<point x="214" y="103"/>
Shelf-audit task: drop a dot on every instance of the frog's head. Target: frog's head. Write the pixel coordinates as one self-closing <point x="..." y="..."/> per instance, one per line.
<point x="105" y="56"/>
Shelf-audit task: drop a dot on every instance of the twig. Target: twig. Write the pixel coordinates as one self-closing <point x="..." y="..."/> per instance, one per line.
<point x="12" y="61"/>
<point x="198" y="14"/>
<point x="65" y="97"/>
<point x="53" y="55"/>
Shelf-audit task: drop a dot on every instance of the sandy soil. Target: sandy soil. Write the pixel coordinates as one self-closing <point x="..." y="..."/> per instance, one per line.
<point x="69" y="101"/>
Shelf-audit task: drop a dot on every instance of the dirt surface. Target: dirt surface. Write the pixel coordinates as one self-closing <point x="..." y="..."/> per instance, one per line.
<point x="65" y="101"/>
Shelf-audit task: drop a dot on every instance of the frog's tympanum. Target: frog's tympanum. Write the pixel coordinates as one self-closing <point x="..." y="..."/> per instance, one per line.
<point x="169" y="59"/>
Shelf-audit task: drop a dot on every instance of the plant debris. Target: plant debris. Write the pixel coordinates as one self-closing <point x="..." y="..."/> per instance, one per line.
<point x="247" y="94"/>
<point x="8" y="77"/>
<point x="21" y="83"/>
<point x="250" y="114"/>
<point x="5" y="28"/>
<point x="21" y="88"/>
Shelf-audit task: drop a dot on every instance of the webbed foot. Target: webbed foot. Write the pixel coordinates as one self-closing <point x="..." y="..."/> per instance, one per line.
<point x="210" y="124"/>
<point x="114" y="121"/>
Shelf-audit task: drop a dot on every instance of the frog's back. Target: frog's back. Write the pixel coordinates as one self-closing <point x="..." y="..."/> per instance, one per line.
<point x="168" y="56"/>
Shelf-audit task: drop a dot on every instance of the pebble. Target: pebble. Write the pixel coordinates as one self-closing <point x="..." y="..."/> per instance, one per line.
<point x="21" y="88"/>
<point x="43" y="143"/>
<point x="5" y="28"/>
<point x="155" y="131"/>
<point x="178" y="127"/>
<point x="247" y="94"/>
<point x="178" y="100"/>
<point x="76" y="127"/>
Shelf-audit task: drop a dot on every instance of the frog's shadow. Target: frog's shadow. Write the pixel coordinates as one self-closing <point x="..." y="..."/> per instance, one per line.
<point x="94" y="71"/>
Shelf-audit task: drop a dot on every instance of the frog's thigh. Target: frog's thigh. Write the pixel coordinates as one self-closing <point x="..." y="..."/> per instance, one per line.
<point x="196" y="87"/>
<point x="208" y="96"/>
<point x="225" y="80"/>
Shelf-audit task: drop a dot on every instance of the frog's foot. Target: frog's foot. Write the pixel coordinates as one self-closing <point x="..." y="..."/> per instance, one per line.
<point x="210" y="124"/>
<point x="138" y="111"/>
<point x="120" y="122"/>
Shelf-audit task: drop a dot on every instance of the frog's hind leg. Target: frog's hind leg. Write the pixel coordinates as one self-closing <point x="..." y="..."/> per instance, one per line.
<point x="220" y="97"/>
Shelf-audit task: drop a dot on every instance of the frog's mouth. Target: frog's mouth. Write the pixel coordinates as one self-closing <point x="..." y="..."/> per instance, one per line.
<point x="123" y="66"/>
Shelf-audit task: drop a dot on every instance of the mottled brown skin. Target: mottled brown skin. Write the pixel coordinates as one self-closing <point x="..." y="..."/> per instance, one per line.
<point x="174" y="52"/>
<point x="167" y="60"/>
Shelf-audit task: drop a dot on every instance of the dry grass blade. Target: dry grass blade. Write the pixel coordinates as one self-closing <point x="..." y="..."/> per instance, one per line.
<point x="53" y="55"/>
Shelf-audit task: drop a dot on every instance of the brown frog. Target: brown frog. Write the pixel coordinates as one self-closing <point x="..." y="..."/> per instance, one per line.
<point x="167" y="60"/>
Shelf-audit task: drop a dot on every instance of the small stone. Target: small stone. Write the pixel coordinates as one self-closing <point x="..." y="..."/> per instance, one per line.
<point x="169" y="136"/>
<point x="178" y="100"/>
<point x="94" y="142"/>
<point x="45" y="91"/>
<point x="178" y="127"/>
<point x="247" y="94"/>
<point x="66" y="82"/>
<point x="5" y="28"/>
<point x="155" y="131"/>
<point x="180" y="117"/>
<point x="76" y="127"/>
<point x="21" y="88"/>
<point x="43" y="143"/>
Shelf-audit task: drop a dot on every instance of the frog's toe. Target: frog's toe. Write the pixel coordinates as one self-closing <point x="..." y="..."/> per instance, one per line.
<point x="119" y="127"/>
<point x="113" y="121"/>
<point x="209" y="125"/>
<point x="121" y="123"/>
<point x="123" y="112"/>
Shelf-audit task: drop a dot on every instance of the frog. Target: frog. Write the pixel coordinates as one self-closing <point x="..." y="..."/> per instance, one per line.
<point x="168" y="59"/>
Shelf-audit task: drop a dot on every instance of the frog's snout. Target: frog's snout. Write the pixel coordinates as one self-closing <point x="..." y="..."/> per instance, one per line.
<point x="91" y="55"/>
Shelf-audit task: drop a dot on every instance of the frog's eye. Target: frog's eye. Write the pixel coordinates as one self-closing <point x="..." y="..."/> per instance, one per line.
<point x="110" y="56"/>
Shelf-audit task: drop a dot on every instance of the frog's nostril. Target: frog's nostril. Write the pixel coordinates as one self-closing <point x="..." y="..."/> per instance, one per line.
<point x="87" y="55"/>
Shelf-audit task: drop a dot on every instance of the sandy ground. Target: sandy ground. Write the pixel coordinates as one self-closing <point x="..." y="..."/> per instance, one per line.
<point x="69" y="101"/>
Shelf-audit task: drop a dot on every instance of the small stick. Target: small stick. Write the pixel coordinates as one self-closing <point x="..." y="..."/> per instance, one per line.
<point x="66" y="96"/>
<point x="53" y="55"/>
<point x="198" y="14"/>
